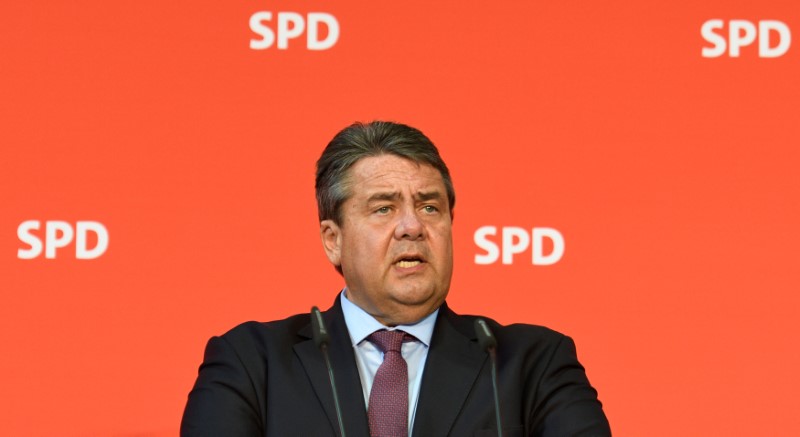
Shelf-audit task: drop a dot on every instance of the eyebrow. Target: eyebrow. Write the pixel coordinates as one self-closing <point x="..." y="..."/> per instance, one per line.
<point x="420" y="196"/>
<point x="383" y="196"/>
<point x="430" y="195"/>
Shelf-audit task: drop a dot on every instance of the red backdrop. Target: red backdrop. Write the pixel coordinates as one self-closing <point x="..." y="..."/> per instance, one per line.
<point x="672" y="177"/>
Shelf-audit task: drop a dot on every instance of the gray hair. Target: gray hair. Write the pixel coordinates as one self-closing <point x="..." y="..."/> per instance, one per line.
<point x="361" y="140"/>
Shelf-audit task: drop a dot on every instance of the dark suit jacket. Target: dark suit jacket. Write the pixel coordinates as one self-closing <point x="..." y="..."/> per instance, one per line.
<point x="269" y="379"/>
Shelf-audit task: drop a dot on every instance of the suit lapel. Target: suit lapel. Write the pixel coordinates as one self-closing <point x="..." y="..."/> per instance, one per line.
<point x="453" y="364"/>
<point x="348" y="383"/>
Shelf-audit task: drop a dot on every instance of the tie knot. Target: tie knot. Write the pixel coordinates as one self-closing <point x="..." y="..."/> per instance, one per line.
<point x="388" y="341"/>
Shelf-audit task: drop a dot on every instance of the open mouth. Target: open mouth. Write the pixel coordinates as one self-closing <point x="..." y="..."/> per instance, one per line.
<point x="408" y="262"/>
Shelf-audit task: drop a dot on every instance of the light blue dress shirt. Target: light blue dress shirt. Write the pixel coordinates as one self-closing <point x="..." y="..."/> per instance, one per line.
<point x="369" y="358"/>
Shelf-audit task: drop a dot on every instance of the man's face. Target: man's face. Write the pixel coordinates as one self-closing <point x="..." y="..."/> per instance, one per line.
<point x="394" y="243"/>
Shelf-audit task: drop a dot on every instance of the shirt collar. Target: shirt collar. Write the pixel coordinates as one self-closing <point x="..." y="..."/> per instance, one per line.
<point x="360" y="324"/>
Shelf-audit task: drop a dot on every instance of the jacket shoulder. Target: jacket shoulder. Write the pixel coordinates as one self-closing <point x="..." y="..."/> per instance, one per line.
<point x="254" y="335"/>
<point x="513" y="333"/>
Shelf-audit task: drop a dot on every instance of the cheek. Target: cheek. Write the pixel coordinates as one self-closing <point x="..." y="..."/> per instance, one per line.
<point x="443" y="237"/>
<point x="367" y="249"/>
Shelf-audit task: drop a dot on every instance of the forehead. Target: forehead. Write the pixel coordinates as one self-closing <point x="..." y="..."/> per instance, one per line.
<point x="390" y="172"/>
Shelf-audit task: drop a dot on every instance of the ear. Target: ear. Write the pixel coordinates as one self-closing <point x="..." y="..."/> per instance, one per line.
<point x="331" y="235"/>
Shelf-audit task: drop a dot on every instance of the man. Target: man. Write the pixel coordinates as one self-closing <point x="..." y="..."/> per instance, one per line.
<point x="385" y="202"/>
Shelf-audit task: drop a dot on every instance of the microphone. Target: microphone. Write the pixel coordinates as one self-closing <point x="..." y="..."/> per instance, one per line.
<point x="488" y="343"/>
<point x="321" y="338"/>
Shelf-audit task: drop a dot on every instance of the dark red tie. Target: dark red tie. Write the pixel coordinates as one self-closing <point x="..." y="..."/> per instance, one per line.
<point x="388" y="400"/>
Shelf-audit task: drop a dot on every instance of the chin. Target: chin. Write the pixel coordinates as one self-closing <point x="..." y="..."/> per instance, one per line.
<point x="409" y="315"/>
<point x="420" y="296"/>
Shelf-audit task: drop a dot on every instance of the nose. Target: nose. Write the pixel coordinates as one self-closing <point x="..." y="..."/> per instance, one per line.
<point x="409" y="226"/>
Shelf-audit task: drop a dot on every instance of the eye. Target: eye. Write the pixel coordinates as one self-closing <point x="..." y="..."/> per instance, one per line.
<point x="383" y="210"/>
<point x="430" y="209"/>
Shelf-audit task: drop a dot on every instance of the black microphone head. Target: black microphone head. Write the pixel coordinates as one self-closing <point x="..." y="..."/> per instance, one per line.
<point x="318" y="330"/>
<point x="485" y="337"/>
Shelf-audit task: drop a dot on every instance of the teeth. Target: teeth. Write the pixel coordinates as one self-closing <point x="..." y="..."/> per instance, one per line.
<point x="407" y="264"/>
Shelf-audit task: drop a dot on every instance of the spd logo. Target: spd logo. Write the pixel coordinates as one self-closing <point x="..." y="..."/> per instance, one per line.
<point x="291" y="25"/>
<point x="774" y="37"/>
<point x="59" y="234"/>
<point x="515" y="240"/>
